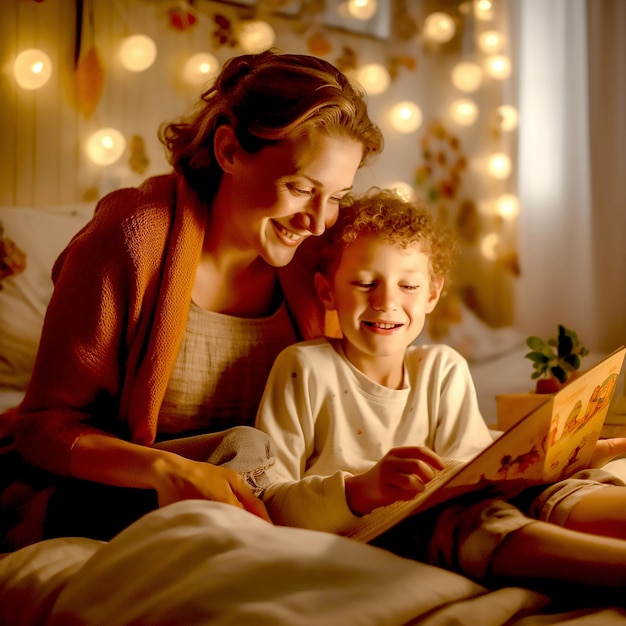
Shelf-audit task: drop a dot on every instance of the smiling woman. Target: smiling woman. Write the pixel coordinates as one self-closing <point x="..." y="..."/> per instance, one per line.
<point x="169" y="307"/>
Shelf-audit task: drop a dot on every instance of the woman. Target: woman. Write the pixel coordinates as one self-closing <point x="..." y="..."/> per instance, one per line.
<point x="170" y="305"/>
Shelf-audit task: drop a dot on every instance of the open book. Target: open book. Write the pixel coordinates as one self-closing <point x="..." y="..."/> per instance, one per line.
<point x="551" y="443"/>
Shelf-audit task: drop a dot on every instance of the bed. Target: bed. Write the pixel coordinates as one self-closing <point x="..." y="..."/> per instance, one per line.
<point x="199" y="562"/>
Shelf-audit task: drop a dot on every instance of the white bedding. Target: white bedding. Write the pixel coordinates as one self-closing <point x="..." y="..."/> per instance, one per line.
<point x="199" y="562"/>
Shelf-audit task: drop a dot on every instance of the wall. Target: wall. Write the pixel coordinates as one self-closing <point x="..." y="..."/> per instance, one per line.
<point x="44" y="162"/>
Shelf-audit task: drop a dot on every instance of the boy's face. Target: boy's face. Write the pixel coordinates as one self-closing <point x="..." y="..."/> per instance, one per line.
<point x="382" y="294"/>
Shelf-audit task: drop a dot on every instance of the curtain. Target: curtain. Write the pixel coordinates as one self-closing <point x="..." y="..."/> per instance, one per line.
<point x="571" y="169"/>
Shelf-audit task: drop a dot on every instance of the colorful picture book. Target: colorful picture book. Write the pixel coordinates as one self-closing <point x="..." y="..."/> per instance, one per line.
<point x="552" y="442"/>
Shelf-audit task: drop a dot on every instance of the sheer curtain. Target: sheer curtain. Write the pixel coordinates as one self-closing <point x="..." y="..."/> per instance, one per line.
<point x="572" y="169"/>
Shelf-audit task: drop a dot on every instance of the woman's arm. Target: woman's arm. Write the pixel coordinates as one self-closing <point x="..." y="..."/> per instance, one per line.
<point x="106" y="459"/>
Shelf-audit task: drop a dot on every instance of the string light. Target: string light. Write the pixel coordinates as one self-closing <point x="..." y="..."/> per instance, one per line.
<point x="362" y="9"/>
<point x="255" y="36"/>
<point x="508" y="117"/>
<point x="439" y="27"/>
<point x="498" y="66"/>
<point x="491" y="41"/>
<point x="200" y="69"/>
<point x="32" y="69"/>
<point x="499" y="165"/>
<point x="374" y="78"/>
<point x="106" y="146"/>
<point x="490" y="246"/>
<point x="483" y="10"/>
<point x="507" y="206"/>
<point x="138" y="53"/>
<point x="467" y="77"/>
<point x="406" y="117"/>
<point x="404" y="190"/>
<point x="464" y="112"/>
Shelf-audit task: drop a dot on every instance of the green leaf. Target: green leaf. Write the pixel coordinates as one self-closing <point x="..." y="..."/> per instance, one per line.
<point x="535" y="343"/>
<point x="537" y="357"/>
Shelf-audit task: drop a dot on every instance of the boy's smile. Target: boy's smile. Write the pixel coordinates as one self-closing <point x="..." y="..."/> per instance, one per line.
<point x="382" y="294"/>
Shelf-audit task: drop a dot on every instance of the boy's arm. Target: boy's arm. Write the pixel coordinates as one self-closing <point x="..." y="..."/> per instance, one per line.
<point x="285" y="414"/>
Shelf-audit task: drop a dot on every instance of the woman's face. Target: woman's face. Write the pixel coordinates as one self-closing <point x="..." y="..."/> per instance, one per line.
<point x="287" y="192"/>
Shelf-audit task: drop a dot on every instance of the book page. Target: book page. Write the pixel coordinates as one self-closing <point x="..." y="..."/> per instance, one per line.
<point x="549" y="444"/>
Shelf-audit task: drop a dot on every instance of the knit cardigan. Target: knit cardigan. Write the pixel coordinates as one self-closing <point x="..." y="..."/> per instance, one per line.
<point x="117" y="317"/>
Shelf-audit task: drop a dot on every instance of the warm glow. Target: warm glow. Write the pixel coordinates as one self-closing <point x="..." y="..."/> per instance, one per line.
<point x="255" y="36"/>
<point x="32" y="69"/>
<point x="467" y="76"/>
<point x="200" y="69"/>
<point x="106" y="146"/>
<point x="138" y="53"/>
<point x="490" y="246"/>
<point x="508" y="117"/>
<point x="439" y="27"/>
<point x="406" y="117"/>
<point x="507" y="206"/>
<point x="464" y="112"/>
<point x="374" y="78"/>
<point x="498" y="66"/>
<point x="404" y="190"/>
<point x="362" y="9"/>
<point x="499" y="165"/>
<point x="490" y="41"/>
<point x="483" y="10"/>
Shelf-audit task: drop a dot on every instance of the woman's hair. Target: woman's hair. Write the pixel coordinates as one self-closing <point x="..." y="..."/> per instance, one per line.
<point x="265" y="98"/>
<point x="384" y="213"/>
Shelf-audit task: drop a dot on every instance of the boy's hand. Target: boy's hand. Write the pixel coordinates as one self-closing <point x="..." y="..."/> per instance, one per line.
<point x="607" y="450"/>
<point x="400" y="475"/>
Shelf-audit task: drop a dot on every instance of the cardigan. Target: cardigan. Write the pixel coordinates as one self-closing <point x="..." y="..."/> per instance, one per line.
<point x="116" y="318"/>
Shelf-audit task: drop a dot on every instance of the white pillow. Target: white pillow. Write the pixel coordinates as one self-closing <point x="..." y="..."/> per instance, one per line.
<point x="42" y="234"/>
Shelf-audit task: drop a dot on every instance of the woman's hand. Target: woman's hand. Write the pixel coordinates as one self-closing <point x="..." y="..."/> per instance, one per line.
<point x="179" y="478"/>
<point x="400" y="475"/>
<point x="607" y="450"/>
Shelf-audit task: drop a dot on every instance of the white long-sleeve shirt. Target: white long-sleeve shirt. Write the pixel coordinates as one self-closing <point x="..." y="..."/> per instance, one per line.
<point x="328" y="420"/>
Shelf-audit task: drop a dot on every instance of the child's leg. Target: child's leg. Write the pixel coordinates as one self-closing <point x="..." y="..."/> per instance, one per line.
<point x="541" y="552"/>
<point x="601" y="512"/>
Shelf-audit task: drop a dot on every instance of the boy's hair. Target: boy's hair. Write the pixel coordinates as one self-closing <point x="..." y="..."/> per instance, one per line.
<point x="387" y="215"/>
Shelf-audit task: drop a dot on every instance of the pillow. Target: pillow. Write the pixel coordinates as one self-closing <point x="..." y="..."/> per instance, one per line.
<point x="457" y="326"/>
<point x="41" y="234"/>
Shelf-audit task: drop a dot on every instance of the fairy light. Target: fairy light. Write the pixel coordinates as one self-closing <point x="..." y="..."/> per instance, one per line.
<point x="464" y="112"/>
<point x="498" y="66"/>
<point x="374" y="78"/>
<point x="255" y="36"/>
<point x="467" y="77"/>
<point x="200" y="69"/>
<point x="490" y="246"/>
<point x="106" y="146"/>
<point x="499" y="165"/>
<point x="507" y="206"/>
<point x="404" y="190"/>
<point x="507" y="117"/>
<point x="362" y="9"/>
<point x="439" y="27"/>
<point x="138" y="53"/>
<point x="32" y="69"/>
<point x="406" y="117"/>
<point x="491" y="41"/>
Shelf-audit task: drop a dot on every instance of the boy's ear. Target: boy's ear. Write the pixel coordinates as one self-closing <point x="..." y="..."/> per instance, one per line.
<point x="436" y="287"/>
<point x="225" y="145"/>
<point x="324" y="291"/>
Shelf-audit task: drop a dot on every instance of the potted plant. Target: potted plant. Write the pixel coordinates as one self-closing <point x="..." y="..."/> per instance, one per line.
<point x="555" y="361"/>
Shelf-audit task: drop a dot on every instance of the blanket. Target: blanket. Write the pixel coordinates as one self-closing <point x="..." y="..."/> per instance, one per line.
<point x="199" y="562"/>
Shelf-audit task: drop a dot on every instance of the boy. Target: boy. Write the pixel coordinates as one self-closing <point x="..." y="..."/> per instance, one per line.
<point x="363" y="421"/>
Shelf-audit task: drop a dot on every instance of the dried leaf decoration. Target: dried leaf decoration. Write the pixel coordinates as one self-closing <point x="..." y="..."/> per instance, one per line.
<point x="89" y="81"/>
<point x="138" y="160"/>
